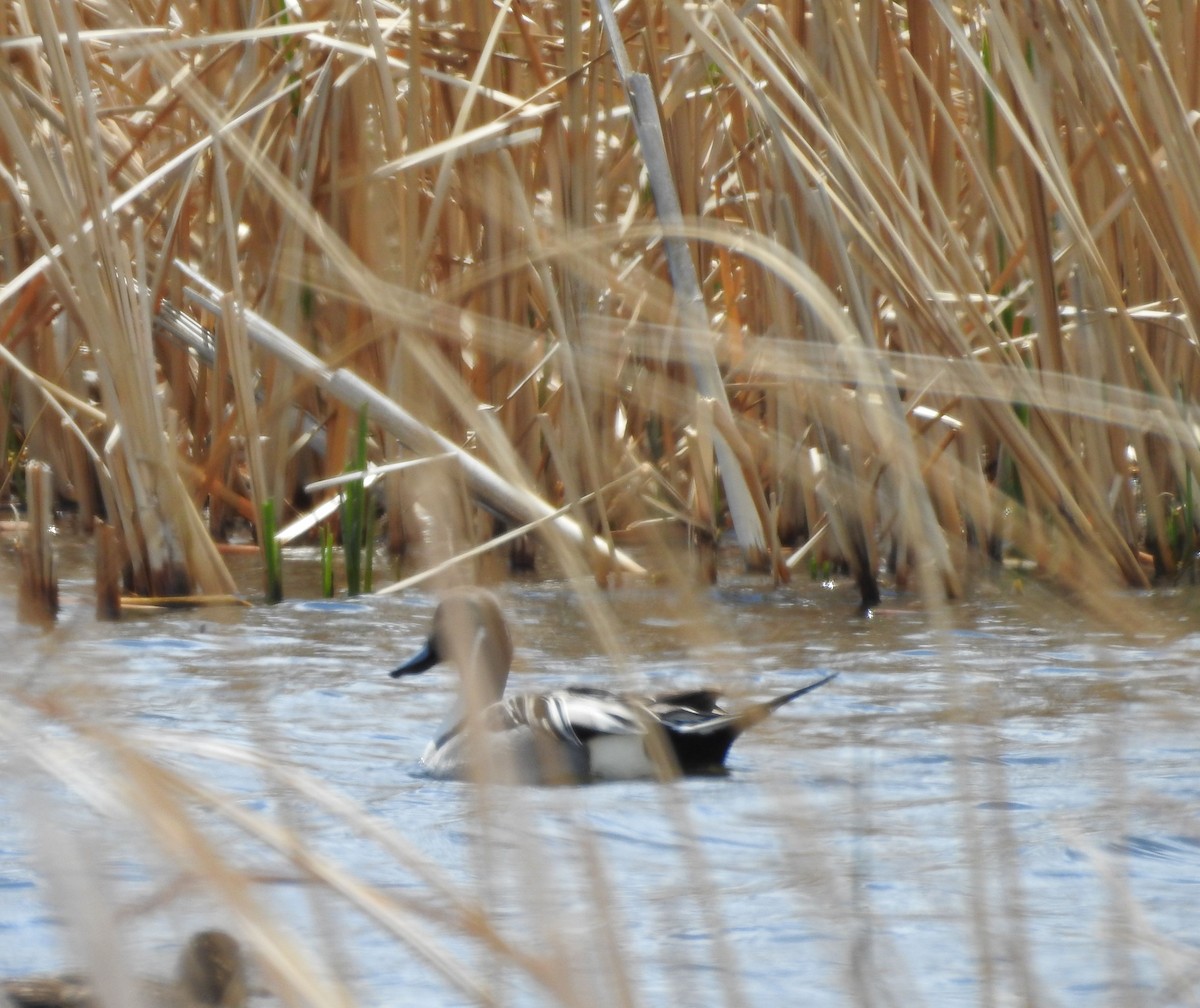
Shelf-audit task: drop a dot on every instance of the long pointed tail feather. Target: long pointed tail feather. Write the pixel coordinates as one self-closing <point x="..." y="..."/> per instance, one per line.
<point x="774" y="705"/>
<point x="754" y="714"/>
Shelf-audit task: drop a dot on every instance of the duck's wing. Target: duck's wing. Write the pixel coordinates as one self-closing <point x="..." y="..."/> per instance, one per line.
<point x="576" y="715"/>
<point x="571" y="715"/>
<point x="580" y="734"/>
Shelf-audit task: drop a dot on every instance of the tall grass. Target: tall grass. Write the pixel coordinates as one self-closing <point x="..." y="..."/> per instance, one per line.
<point x="945" y="261"/>
<point x="932" y="251"/>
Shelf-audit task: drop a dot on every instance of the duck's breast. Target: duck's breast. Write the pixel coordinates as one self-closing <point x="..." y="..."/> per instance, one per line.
<point x="516" y="755"/>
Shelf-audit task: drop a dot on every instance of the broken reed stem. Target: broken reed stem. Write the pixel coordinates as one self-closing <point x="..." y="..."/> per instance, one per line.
<point x="492" y="490"/>
<point x="38" y="599"/>
<point x="181" y="601"/>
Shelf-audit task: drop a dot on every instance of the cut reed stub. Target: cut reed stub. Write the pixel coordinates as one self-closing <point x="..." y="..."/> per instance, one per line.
<point x="108" y="572"/>
<point x="38" y="598"/>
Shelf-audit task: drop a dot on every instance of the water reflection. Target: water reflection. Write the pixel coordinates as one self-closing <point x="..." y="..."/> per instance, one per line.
<point x="998" y="809"/>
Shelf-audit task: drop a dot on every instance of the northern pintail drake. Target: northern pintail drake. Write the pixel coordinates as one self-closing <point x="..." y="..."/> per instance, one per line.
<point x="568" y="735"/>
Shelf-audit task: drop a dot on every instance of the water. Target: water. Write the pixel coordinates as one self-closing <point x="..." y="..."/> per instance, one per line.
<point x="999" y="809"/>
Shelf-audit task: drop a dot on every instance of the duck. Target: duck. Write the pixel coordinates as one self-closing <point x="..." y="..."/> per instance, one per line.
<point x="211" y="973"/>
<point x="572" y="735"/>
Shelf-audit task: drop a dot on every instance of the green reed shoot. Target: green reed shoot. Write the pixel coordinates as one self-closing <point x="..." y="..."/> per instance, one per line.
<point x="326" y="563"/>
<point x="355" y="504"/>
<point x="272" y="553"/>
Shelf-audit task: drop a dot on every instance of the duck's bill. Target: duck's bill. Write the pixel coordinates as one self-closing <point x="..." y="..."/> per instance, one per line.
<point x="424" y="659"/>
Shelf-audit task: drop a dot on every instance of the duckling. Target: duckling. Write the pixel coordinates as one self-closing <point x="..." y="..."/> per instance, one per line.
<point x="568" y="735"/>
<point x="211" y="973"/>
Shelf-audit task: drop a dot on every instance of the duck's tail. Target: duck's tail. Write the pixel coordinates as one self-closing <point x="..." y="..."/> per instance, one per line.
<point x="742" y="720"/>
<point x="758" y="712"/>
<point x="701" y="746"/>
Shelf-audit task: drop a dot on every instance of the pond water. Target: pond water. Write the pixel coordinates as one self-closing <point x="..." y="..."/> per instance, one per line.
<point x="997" y="806"/>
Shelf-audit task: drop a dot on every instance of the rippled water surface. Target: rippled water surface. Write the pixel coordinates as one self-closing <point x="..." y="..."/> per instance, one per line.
<point x="999" y="808"/>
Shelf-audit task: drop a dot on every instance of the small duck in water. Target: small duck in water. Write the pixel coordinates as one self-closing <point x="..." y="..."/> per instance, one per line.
<point x="211" y="974"/>
<point x="568" y="735"/>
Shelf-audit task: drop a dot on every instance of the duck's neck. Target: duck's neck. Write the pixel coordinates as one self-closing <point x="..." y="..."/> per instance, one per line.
<point x="483" y="674"/>
<point x="453" y="723"/>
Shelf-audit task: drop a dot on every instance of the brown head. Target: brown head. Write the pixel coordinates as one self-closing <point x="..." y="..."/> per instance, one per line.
<point x="469" y="632"/>
<point x="212" y="971"/>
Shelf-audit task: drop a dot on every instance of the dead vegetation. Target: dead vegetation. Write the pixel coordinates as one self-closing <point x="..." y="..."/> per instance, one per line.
<point x="943" y="261"/>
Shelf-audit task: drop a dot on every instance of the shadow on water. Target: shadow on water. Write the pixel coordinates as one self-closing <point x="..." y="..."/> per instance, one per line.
<point x="1001" y="808"/>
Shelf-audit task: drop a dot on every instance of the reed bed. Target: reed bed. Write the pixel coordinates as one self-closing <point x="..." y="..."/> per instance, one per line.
<point x="944" y="285"/>
<point x="942" y="258"/>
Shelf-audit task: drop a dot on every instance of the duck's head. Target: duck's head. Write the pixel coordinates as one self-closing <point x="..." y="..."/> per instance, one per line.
<point x="469" y="633"/>
<point x="212" y="971"/>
